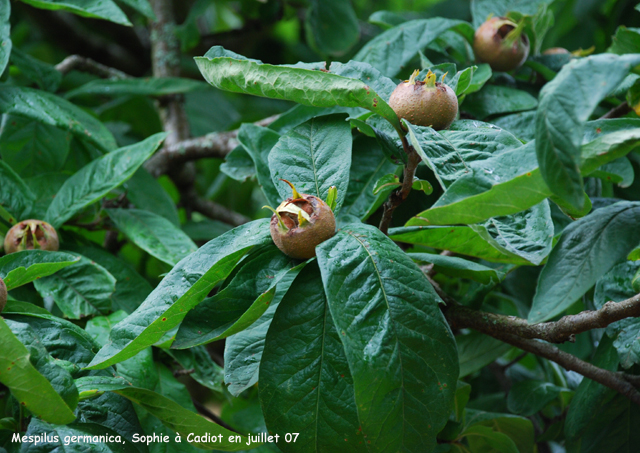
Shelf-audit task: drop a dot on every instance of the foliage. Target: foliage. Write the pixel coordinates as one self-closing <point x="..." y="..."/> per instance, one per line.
<point x="168" y="301"/>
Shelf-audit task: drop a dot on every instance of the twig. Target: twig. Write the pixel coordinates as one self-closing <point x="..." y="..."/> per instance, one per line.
<point x="559" y="331"/>
<point x="397" y="197"/>
<point x="183" y="372"/>
<point x="215" y="145"/>
<point x="207" y="413"/>
<point x="88" y="65"/>
<point x="215" y="211"/>
<point x="618" y="111"/>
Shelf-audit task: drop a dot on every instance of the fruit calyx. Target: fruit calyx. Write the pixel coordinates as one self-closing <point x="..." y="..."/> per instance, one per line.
<point x="300" y="223"/>
<point x="425" y="103"/>
<point x="31" y="234"/>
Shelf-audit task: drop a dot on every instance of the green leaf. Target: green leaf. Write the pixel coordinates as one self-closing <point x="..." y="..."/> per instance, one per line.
<point x="205" y="229"/>
<point x="45" y="75"/>
<point x="387" y="315"/>
<point x="493" y="99"/>
<point x="476" y="350"/>
<point x="149" y="86"/>
<point x="600" y="419"/>
<point x="52" y="110"/>
<point x="172" y="414"/>
<point x="482" y="9"/>
<point x="20" y="268"/>
<point x="321" y="89"/>
<point x="5" y="35"/>
<point x="153" y="234"/>
<point x="386" y="184"/>
<point x="205" y="371"/>
<point x="238" y="164"/>
<point x="99" y="9"/>
<point x="32" y="148"/>
<point x="80" y="290"/>
<point x="15" y="195"/>
<point x="145" y="192"/>
<point x="485" y="439"/>
<point x="182" y="289"/>
<point x="263" y="280"/>
<point x="626" y="40"/>
<point x="313" y="157"/>
<point x="27" y="385"/>
<point x="131" y="287"/>
<point x="96" y="179"/>
<point x="391" y="51"/>
<point x="332" y="26"/>
<point x="308" y="388"/>
<point x="565" y="105"/>
<point x="142" y="6"/>
<point x="522" y="125"/>
<point x="619" y="171"/>
<point x="587" y="249"/>
<point x="258" y="143"/>
<point x="460" y="268"/>
<point x="528" y="397"/>
<point x="617" y="285"/>
<point x="519" y="429"/>
<point x="53" y="370"/>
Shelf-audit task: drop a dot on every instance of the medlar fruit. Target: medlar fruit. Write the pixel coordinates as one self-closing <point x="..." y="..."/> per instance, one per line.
<point x="300" y="223"/>
<point x="427" y="103"/>
<point x="501" y="43"/>
<point x="31" y="235"/>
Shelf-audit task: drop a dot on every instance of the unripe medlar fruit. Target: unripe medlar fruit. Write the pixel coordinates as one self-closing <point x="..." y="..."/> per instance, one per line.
<point x="300" y="223"/>
<point x="427" y="103"/>
<point x="3" y="295"/>
<point x="29" y="235"/>
<point x="501" y="43"/>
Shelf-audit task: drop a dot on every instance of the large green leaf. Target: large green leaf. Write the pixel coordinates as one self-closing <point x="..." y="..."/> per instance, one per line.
<point x="99" y="9"/>
<point x="182" y="289"/>
<point x="263" y="280"/>
<point x="45" y="75"/>
<point x="153" y="234"/>
<point x="131" y="287"/>
<point x="99" y="177"/>
<point x="566" y="103"/>
<point x="481" y="10"/>
<point x="332" y="26"/>
<point x="31" y="147"/>
<point x="172" y="414"/>
<point x="518" y="429"/>
<point x="391" y="51"/>
<point x="313" y="157"/>
<point x="476" y="350"/>
<point x="150" y="86"/>
<point x="19" y="268"/>
<point x="459" y="267"/>
<point x="50" y="109"/>
<point x="258" y="143"/>
<point x="494" y="99"/>
<point x="616" y="285"/>
<point x="15" y="195"/>
<point x="600" y="419"/>
<point x="301" y="85"/>
<point x="205" y="370"/>
<point x="80" y="290"/>
<point x="400" y="349"/>
<point x="5" y="35"/>
<point x="145" y="192"/>
<point x="368" y="165"/>
<point x="530" y="396"/>
<point x="29" y="387"/>
<point x="305" y="382"/>
<point x="587" y="249"/>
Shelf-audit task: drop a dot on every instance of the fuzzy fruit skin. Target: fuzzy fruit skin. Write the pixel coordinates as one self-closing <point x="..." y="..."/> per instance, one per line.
<point x="422" y="105"/>
<point x="300" y="242"/>
<point x="21" y="237"/>
<point x="3" y="295"/>
<point x="490" y="47"/>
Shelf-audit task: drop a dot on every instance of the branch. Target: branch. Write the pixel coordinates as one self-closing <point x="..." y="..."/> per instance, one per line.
<point x="88" y="65"/>
<point x="215" y="145"/>
<point x="618" y="111"/>
<point x="559" y="331"/>
<point x="214" y="210"/>
<point x="397" y="197"/>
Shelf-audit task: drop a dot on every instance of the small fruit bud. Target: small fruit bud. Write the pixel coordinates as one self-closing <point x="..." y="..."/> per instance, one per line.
<point x="501" y="43"/>
<point x="3" y="295"/>
<point x="332" y="197"/>
<point x="427" y="103"/>
<point x="300" y="223"/>
<point x="31" y="235"/>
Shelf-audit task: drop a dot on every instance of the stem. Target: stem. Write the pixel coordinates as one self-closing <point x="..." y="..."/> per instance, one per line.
<point x="397" y="197"/>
